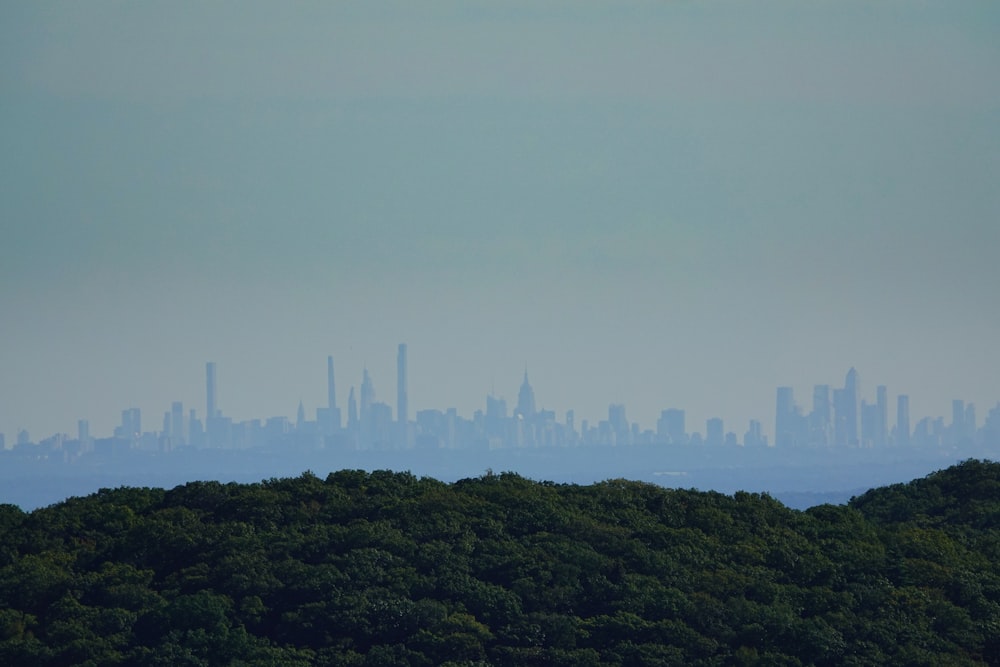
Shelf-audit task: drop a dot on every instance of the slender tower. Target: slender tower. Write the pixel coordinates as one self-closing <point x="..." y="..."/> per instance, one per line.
<point x="402" y="406"/>
<point x="209" y="391"/>
<point x="852" y="394"/>
<point x="525" y="398"/>
<point x="882" y="406"/>
<point x="331" y="394"/>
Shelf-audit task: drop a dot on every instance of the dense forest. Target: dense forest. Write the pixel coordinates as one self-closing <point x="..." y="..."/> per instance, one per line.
<point x="386" y="568"/>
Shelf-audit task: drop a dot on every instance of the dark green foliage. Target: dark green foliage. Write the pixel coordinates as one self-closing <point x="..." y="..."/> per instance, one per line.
<point x="388" y="569"/>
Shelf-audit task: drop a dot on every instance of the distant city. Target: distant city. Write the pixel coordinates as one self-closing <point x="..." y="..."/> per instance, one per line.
<point x="838" y="418"/>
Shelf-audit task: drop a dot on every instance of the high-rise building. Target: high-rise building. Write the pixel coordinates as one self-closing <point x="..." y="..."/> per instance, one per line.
<point x="787" y="419"/>
<point x="525" y="399"/>
<point x="903" y="420"/>
<point x="845" y="407"/>
<point x="821" y="417"/>
<point x="715" y="432"/>
<point x="754" y="437"/>
<point x="177" y="424"/>
<point x="495" y="420"/>
<point x="195" y="430"/>
<point x="352" y="412"/>
<point x="328" y="416"/>
<point x="402" y="404"/>
<point x="957" y="420"/>
<point x="131" y="426"/>
<point x="869" y="424"/>
<point x="670" y="427"/>
<point x="210" y="406"/>
<point x="333" y="416"/>
<point x="852" y="394"/>
<point x="882" y="417"/>
<point x="300" y="416"/>
<point x="496" y="408"/>
<point x="367" y="397"/>
<point x="619" y="424"/>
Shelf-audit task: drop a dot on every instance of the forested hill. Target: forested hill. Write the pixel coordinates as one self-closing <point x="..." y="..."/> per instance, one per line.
<point x="390" y="569"/>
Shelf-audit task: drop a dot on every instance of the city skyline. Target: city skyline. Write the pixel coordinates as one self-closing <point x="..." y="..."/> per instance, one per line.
<point x="649" y="205"/>
<point x="841" y="417"/>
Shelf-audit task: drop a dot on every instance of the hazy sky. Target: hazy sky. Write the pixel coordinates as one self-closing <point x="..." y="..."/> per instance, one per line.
<point x="662" y="204"/>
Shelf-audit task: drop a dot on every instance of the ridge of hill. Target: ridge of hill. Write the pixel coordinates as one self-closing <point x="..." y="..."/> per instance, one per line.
<point x="387" y="568"/>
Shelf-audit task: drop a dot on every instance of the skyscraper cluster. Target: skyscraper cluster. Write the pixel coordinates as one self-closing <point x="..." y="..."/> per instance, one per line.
<point x="839" y="417"/>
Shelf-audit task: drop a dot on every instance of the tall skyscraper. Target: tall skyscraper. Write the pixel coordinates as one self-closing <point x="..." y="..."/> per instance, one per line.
<point x="753" y="436"/>
<point x="209" y="391"/>
<point x="525" y="399"/>
<point x="496" y="417"/>
<point x="786" y="419"/>
<point x="352" y="412"/>
<point x="845" y="405"/>
<point x="367" y="396"/>
<point x="903" y="420"/>
<point x="821" y="417"/>
<point x="619" y="423"/>
<point x="715" y="432"/>
<point x="331" y="389"/>
<point x="882" y="421"/>
<point x="131" y="426"/>
<point x="329" y="417"/>
<point x="300" y="416"/>
<point x="402" y="405"/>
<point x="177" y="424"/>
<point x="670" y="427"/>
<point x="957" y="420"/>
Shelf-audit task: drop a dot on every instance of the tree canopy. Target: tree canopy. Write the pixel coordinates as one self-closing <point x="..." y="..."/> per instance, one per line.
<point x="383" y="568"/>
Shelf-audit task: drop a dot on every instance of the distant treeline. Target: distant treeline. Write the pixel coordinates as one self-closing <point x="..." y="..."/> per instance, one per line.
<point x="389" y="569"/>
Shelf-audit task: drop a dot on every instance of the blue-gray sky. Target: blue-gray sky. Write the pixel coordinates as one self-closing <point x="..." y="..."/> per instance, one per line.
<point x="662" y="204"/>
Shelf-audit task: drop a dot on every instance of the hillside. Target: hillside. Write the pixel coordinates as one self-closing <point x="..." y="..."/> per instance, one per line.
<point x="390" y="569"/>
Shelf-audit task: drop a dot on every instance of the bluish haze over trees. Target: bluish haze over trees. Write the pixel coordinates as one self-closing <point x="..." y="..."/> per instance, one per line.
<point x="653" y="204"/>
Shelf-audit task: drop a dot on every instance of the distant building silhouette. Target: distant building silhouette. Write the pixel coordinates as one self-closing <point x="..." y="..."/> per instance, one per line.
<point x="402" y="398"/>
<point x="903" y="420"/>
<point x="670" y="427"/>
<point x="210" y="407"/>
<point x="525" y="399"/>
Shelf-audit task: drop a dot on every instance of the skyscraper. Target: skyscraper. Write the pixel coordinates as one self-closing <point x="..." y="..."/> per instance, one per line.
<point x="177" y="424"/>
<point x="820" y="419"/>
<point x="670" y="427"/>
<point x="753" y="437"/>
<point x="786" y="419"/>
<point x="402" y="406"/>
<point x="715" y="432"/>
<point x="331" y="416"/>
<point x="957" y="420"/>
<point x="525" y="399"/>
<point x="882" y="421"/>
<point x="367" y="395"/>
<point x="619" y="424"/>
<point x="845" y="405"/>
<point x="131" y="426"/>
<point x="209" y="391"/>
<point x="903" y="420"/>
<point x="352" y="412"/>
<point x="331" y="389"/>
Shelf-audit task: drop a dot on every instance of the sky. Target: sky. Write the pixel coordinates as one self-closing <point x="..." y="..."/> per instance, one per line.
<point x="660" y="204"/>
